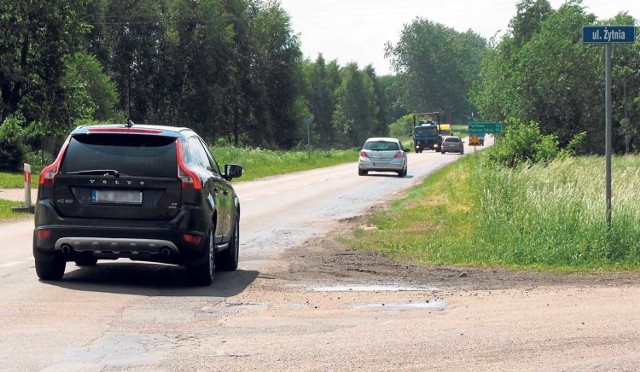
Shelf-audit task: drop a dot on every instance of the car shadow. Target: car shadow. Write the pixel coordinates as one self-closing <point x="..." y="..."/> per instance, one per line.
<point x="390" y="175"/>
<point x="151" y="279"/>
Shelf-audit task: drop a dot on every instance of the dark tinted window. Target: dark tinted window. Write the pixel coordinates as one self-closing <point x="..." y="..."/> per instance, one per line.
<point x="131" y="154"/>
<point x="452" y="139"/>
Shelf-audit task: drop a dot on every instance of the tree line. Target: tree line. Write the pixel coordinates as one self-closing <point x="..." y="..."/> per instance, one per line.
<point x="233" y="71"/>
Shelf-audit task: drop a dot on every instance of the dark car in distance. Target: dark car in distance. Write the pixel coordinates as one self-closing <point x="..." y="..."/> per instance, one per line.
<point x="452" y="144"/>
<point x="143" y="192"/>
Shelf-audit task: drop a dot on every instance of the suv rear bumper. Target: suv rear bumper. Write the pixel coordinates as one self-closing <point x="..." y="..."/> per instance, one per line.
<point x="145" y="244"/>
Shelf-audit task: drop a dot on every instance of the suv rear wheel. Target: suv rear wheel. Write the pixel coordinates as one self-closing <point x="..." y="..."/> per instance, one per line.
<point x="227" y="260"/>
<point x="202" y="274"/>
<point x="51" y="269"/>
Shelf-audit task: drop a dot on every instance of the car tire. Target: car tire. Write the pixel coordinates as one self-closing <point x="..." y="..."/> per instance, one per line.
<point x="51" y="269"/>
<point x="362" y="172"/>
<point x="202" y="274"/>
<point x="403" y="172"/>
<point x="227" y="260"/>
<point x="443" y="152"/>
<point x="86" y="261"/>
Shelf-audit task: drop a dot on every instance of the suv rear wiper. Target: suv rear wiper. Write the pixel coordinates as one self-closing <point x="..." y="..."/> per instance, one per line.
<point x="104" y="172"/>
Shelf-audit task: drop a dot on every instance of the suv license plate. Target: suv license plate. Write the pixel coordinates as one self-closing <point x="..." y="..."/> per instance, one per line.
<point x="116" y="197"/>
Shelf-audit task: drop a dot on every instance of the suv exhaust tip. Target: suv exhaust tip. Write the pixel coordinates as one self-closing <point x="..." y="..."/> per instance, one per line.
<point x="66" y="248"/>
<point x="166" y="252"/>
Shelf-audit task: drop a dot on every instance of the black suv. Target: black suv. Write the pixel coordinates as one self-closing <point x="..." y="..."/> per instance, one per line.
<point x="143" y="192"/>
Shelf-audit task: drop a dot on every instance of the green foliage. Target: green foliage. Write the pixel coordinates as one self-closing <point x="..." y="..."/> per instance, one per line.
<point x="523" y="144"/>
<point x="402" y="127"/>
<point x="11" y="148"/>
<point x="6" y="212"/>
<point x="36" y="36"/>
<point x="541" y="71"/>
<point x="356" y="114"/>
<point x="435" y="67"/>
<point x="547" y="217"/>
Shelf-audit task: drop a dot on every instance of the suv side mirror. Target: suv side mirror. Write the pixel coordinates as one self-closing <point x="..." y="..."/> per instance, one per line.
<point x="232" y="171"/>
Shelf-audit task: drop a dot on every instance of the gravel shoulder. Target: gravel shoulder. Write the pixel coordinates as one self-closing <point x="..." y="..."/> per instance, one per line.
<point x="326" y="259"/>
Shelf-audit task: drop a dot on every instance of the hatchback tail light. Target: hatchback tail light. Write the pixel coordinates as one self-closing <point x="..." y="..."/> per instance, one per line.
<point x="363" y="155"/>
<point x="398" y="155"/>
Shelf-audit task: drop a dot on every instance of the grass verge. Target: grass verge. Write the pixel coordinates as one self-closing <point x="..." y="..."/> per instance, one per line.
<point x="260" y="163"/>
<point x="539" y="217"/>
<point x="6" y="213"/>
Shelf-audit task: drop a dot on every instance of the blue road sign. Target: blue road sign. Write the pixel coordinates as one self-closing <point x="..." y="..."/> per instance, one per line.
<point x="608" y="34"/>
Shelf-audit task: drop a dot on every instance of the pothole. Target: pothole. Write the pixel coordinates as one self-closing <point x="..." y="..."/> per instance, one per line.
<point x="426" y="304"/>
<point x="373" y="288"/>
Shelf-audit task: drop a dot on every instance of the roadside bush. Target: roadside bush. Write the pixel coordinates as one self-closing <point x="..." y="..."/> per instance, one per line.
<point x="523" y="143"/>
<point x="11" y="149"/>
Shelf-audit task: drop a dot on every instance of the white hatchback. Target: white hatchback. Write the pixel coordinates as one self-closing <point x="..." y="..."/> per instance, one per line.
<point x="382" y="154"/>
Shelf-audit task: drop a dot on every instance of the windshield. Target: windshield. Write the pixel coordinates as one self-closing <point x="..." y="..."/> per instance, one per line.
<point x="426" y="131"/>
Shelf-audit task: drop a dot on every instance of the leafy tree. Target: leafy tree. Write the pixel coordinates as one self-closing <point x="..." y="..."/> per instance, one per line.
<point x="278" y="79"/>
<point x="320" y="100"/>
<point x="11" y="137"/>
<point x="436" y="66"/>
<point x="402" y="127"/>
<point x="626" y="90"/>
<point x="35" y="38"/>
<point x="356" y="113"/>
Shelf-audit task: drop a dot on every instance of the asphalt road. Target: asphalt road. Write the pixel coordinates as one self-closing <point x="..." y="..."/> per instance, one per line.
<point x="145" y="317"/>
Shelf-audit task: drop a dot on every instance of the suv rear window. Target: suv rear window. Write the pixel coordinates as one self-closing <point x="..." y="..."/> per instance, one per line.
<point x="130" y="154"/>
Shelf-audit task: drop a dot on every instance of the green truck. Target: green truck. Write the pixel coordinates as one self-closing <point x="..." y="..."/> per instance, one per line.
<point x="426" y="136"/>
<point x="426" y="132"/>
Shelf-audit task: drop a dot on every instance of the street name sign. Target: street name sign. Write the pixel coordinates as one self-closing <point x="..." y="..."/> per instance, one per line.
<point x="608" y="34"/>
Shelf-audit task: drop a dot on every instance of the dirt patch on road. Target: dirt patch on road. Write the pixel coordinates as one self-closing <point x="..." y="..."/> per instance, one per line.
<point x="326" y="260"/>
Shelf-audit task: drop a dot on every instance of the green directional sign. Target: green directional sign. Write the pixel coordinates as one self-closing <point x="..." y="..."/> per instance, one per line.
<point x="485" y="127"/>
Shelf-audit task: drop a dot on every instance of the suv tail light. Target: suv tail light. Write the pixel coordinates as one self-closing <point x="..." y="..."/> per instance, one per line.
<point x="49" y="172"/>
<point x="189" y="179"/>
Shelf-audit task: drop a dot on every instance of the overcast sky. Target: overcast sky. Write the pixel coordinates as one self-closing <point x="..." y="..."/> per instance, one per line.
<point x="357" y="30"/>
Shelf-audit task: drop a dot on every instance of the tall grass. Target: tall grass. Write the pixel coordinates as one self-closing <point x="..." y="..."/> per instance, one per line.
<point x="535" y="217"/>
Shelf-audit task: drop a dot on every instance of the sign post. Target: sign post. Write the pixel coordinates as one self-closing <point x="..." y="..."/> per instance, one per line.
<point x="307" y="120"/>
<point x="608" y="35"/>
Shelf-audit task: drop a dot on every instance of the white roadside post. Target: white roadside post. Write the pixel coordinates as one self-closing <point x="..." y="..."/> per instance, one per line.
<point x="27" y="207"/>
<point x="27" y="185"/>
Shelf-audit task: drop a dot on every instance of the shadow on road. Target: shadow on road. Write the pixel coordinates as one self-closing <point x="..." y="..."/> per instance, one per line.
<point x="150" y="279"/>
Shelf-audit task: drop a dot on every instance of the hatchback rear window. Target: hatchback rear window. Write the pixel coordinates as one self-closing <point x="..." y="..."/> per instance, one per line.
<point x="452" y="139"/>
<point x="130" y="154"/>
<point x="381" y="146"/>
